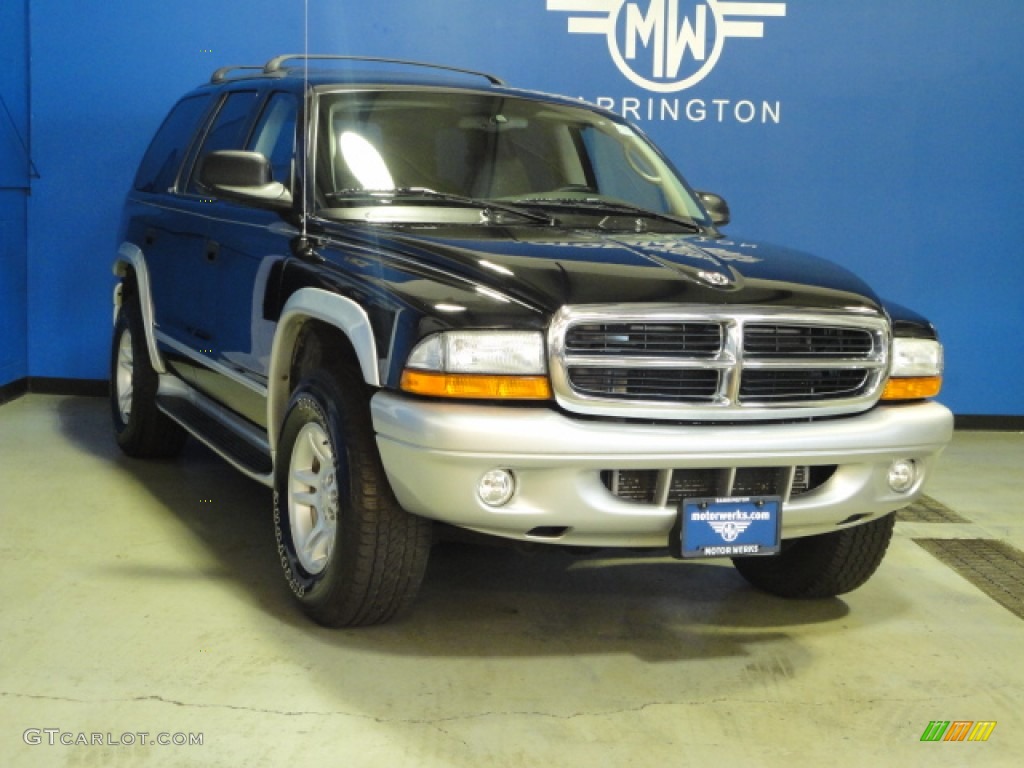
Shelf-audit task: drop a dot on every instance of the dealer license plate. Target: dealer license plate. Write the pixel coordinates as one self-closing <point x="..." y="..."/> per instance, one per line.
<point x="734" y="527"/>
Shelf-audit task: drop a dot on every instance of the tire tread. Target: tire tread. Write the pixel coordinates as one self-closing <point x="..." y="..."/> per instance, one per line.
<point x="821" y="566"/>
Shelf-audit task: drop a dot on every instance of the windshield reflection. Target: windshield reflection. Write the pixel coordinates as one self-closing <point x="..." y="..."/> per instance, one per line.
<point x="469" y="149"/>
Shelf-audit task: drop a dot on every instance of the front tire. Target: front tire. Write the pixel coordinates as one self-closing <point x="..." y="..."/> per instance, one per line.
<point x="821" y="566"/>
<point x="140" y="428"/>
<point x="351" y="555"/>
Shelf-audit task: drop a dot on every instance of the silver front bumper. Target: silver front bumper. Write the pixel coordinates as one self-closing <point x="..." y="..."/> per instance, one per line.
<point x="435" y="454"/>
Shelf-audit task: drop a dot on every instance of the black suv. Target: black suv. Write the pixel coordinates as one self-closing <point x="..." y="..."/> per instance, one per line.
<point x="401" y="293"/>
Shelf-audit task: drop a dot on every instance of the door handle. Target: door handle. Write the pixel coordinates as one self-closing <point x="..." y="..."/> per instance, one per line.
<point x="212" y="251"/>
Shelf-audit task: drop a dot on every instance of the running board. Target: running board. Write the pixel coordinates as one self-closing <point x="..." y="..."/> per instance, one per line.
<point x="234" y="440"/>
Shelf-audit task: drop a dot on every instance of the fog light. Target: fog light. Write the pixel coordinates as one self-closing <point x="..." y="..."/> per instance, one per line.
<point x="497" y="487"/>
<point x="902" y="475"/>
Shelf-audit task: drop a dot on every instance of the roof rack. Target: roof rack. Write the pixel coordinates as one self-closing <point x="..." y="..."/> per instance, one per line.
<point x="277" y="64"/>
<point x="222" y="74"/>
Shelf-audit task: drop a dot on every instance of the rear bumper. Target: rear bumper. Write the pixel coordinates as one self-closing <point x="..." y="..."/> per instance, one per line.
<point x="435" y="453"/>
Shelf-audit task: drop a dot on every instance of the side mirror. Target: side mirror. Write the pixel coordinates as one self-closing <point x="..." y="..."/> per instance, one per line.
<point x="716" y="207"/>
<point x="245" y="177"/>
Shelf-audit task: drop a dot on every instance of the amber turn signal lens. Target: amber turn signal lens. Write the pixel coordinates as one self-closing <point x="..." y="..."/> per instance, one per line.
<point x="476" y="386"/>
<point x="912" y="388"/>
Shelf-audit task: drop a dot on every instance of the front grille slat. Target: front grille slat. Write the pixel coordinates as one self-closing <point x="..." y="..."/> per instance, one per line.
<point x="679" y="340"/>
<point x="718" y="363"/>
<point x="805" y="341"/>
<point x="650" y="384"/>
<point x="795" y="385"/>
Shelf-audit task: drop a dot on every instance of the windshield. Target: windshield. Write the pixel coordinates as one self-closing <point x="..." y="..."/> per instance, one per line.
<point x="430" y="156"/>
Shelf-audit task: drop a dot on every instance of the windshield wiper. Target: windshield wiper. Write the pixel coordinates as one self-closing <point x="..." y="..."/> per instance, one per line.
<point x="595" y="205"/>
<point x="488" y="206"/>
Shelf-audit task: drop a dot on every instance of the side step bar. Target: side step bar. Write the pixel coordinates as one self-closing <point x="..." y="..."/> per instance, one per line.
<point x="235" y="440"/>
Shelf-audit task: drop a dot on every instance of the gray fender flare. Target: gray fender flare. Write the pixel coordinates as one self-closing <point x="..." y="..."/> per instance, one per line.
<point x="331" y="309"/>
<point x="131" y="256"/>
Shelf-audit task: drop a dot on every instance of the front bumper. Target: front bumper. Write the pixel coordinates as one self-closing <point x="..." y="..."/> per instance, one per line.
<point x="435" y="453"/>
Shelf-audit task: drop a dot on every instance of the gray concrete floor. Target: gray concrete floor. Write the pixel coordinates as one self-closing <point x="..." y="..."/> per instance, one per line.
<point x="145" y="598"/>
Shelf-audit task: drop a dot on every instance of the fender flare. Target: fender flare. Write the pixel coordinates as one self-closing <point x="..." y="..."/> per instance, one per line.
<point x="131" y="258"/>
<point x="331" y="309"/>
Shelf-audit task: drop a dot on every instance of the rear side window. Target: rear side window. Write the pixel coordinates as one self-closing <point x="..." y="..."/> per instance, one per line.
<point x="229" y="130"/>
<point x="159" y="168"/>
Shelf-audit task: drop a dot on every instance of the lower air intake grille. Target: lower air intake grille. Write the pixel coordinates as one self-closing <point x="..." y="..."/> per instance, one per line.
<point x="668" y="487"/>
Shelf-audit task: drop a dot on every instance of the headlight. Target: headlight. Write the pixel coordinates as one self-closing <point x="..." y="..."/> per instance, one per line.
<point x="479" y="364"/>
<point x="916" y="370"/>
<point x="916" y="357"/>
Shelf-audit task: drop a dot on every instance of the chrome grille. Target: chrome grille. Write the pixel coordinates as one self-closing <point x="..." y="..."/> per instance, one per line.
<point x="707" y="363"/>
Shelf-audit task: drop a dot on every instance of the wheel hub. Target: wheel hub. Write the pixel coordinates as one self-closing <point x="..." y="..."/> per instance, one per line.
<point x="313" y="498"/>
<point x="124" y="375"/>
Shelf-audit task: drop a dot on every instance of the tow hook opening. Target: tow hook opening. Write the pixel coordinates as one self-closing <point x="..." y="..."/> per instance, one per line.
<point x="548" y="531"/>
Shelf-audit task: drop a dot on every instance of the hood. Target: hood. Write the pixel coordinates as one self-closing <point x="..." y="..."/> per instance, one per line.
<point x="546" y="268"/>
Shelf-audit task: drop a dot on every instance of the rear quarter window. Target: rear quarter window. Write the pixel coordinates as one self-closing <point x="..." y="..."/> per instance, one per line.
<point x="158" y="170"/>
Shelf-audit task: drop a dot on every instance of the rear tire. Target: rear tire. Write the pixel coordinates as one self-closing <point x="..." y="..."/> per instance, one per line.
<point x="141" y="429"/>
<point x="821" y="566"/>
<point x="351" y="555"/>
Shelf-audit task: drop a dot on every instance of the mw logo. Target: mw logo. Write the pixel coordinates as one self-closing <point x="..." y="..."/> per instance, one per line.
<point x="958" y="730"/>
<point x="666" y="45"/>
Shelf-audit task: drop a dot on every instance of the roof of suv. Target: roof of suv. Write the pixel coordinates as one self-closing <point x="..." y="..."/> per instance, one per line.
<point x="350" y="69"/>
<point x="331" y="70"/>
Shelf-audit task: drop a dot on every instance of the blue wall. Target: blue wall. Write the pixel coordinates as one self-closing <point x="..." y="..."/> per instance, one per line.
<point x="14" y="184"/>
<point x="14" y="179"/>
<point x="886" y="136"/>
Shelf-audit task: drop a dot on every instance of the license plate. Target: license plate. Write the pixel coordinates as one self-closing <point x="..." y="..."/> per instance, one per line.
<point x="734" y="527"/>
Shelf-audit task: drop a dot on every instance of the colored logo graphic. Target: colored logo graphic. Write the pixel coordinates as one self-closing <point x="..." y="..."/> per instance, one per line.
<point x="666" y="45"/>
<point x="958" y="730"/>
